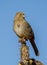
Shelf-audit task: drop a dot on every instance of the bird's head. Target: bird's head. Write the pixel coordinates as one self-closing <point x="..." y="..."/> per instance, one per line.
<point x="20" y="15"/>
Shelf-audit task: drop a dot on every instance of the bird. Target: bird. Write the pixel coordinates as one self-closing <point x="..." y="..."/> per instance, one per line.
<point x="24" y="30"/>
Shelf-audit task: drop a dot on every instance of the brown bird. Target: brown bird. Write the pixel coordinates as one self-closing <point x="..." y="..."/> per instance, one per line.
<point x="24" y="30"/>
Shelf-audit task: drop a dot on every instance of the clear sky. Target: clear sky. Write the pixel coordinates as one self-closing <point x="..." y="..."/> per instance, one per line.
<point x="36" y="15"/>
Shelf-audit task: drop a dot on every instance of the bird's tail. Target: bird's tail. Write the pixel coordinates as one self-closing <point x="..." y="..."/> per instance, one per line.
<point x="34" y="47"/>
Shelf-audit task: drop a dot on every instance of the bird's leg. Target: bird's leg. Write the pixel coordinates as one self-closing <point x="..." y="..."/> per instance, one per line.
<point x="22" y="39"/>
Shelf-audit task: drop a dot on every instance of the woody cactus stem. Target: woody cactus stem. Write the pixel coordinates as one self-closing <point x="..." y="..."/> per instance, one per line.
<point x="24" y="53"/>
<point x="25" y="60"/>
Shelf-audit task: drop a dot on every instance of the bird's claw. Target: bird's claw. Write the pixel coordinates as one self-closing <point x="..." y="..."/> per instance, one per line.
<point x="22" y="40"/>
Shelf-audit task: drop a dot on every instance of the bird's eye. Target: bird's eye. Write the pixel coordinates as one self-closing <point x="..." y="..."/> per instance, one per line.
<point x="23" y="13"/>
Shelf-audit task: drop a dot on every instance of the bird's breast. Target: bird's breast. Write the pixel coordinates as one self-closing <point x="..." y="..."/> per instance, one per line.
<point x="18" y="28"/>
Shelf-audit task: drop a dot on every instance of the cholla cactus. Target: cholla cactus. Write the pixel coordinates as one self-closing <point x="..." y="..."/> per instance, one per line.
<point x="24" y="53"/>
<point x="25" y="60"/>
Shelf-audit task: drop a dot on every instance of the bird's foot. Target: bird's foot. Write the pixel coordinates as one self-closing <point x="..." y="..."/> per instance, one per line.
<point x="22" y="40"/>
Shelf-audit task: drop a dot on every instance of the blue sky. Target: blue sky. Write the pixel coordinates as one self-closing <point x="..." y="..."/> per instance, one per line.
<point x="36" y="15"/>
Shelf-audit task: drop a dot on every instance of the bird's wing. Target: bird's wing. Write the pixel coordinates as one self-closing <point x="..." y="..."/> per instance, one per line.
<point x="27" y="29"/>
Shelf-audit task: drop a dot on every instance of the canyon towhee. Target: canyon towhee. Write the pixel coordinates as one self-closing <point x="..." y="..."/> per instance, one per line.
<point x="24" y="30"/>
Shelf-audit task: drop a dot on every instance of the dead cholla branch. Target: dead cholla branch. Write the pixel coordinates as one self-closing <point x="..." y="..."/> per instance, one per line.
<point x="31" y="62"/>
<point x="25" y="60"/>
